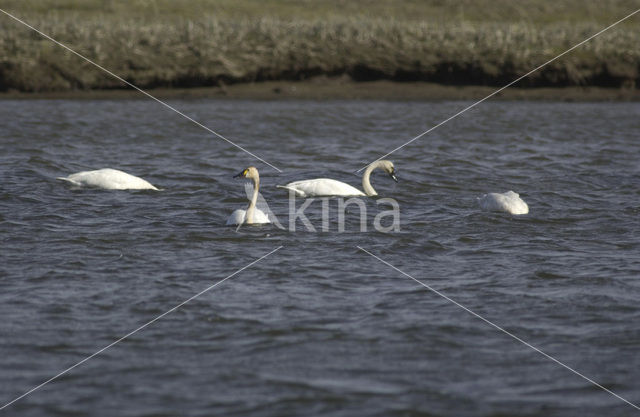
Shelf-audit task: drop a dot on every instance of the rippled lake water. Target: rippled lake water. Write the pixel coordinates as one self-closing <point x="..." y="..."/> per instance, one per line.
<point x="320" y="327"/>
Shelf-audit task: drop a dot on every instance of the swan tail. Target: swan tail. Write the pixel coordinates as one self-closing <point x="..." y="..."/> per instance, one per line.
<point x="69" y="180"/>
<point x="298" y="193"/>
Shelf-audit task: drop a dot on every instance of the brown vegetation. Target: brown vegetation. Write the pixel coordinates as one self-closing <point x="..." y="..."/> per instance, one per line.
<point x="190" y="50"/>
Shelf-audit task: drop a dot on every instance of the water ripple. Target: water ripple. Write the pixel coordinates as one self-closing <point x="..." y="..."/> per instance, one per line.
<point x="320" y="328"/>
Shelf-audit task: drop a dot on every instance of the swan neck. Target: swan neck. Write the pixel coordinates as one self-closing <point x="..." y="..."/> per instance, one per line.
<point x="251" y="209"/>
<point x="366" y="184"/>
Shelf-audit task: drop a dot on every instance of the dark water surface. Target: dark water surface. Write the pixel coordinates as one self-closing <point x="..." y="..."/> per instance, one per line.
<point x="320" y="327"/>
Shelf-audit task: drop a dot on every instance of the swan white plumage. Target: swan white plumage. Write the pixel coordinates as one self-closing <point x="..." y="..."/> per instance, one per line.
<point x="328" y="187"/>
<point x="108" y="179"/>
<point x="251" y="215"/>
<point x="509" y="202"/>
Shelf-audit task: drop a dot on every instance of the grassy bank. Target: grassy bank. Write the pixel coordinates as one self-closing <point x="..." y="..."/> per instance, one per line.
<point x="165" y="43"/>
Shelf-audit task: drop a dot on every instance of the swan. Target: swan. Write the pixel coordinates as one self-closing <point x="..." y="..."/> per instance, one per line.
<point x="251" y="215"/>
<point x="509" y="202"/>
<point x="108" y="179"/>
<point x="327" y="186"/>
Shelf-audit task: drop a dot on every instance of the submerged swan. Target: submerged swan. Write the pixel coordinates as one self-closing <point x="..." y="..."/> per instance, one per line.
<point x="251" y="215"/>
<point x="326" y="186"/>
<point x="108" y="179"/>
<point x="509" y="202"/>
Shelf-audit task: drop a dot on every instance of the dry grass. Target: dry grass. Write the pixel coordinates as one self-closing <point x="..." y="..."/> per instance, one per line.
<point x="155" y="44"/>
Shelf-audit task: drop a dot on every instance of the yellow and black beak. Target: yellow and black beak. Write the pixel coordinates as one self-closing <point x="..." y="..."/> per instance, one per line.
<point x="392" y="174"/>
<point x="242" y="174"/>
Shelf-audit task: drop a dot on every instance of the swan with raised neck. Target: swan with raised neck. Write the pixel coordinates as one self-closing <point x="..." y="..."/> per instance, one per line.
<point x="251" y="215"/>
<point x="252" y="174"/>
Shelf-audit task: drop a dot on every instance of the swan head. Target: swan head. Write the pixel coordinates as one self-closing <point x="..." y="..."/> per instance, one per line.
<point x="251" y="173"/>
<point x="388" y="167"/>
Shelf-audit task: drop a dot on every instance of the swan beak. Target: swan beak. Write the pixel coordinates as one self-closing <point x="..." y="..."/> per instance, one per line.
<point x="242" y="174"/>
<point x="393" y="176"/>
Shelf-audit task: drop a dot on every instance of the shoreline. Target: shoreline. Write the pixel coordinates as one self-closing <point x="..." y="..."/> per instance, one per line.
<point x="248" y="48"/>
<point x="340" y="89"/>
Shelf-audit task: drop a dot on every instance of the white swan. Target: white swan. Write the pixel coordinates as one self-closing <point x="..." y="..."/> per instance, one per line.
<point x="251" y="215"/>
<point x="108" y="179"/>
<point x="509" y="202"/>
<point x="327" y="186"/>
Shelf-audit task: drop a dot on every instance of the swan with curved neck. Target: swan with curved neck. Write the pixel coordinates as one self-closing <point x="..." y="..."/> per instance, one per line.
<point x="251" y="215"/>
<point x="328" y="187"/>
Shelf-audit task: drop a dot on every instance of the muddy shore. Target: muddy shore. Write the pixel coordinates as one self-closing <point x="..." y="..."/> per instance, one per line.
<point x="340" y="89"/>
